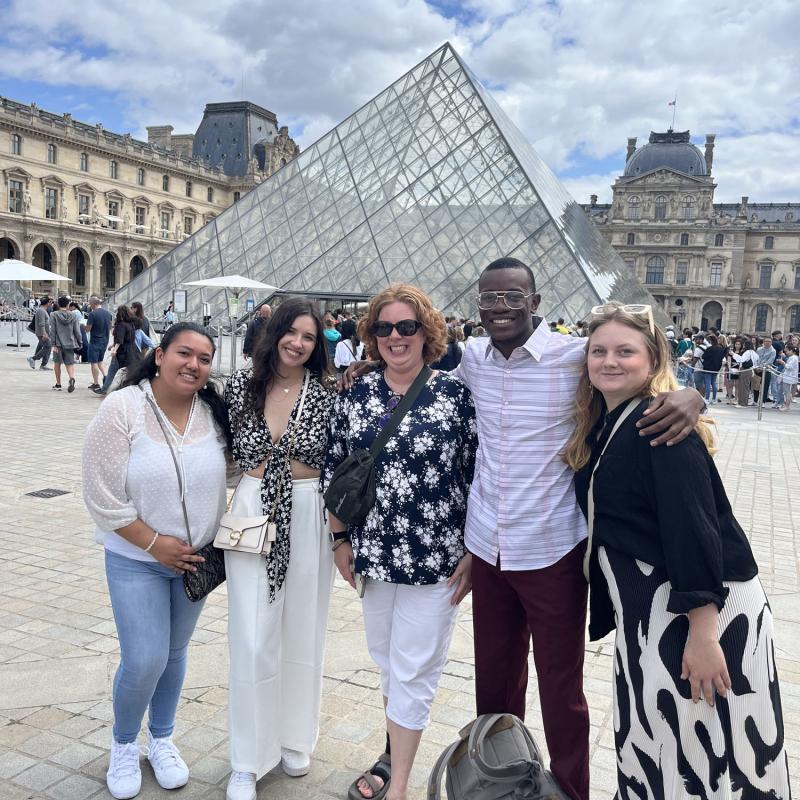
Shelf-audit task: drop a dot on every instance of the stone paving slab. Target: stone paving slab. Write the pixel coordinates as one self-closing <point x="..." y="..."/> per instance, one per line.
<point x="58" y="646"/>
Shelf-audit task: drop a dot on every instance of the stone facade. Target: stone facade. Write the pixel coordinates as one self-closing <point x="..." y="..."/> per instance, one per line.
<point x="101" y="207"/>
<point x="733" y="266"/>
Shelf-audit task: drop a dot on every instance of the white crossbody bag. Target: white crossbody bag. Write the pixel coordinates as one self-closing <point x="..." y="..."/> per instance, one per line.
<point x="256" y="534"/>
<point x="590" y="497"/>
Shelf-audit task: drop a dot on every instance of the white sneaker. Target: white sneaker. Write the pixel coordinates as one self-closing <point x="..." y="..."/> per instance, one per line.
<point x="124" y="776"/>
<point x="170" y="769"/>
<point x="31" y="362"/>
<point x="295" y="764"/>
<point x="241" y="786"/>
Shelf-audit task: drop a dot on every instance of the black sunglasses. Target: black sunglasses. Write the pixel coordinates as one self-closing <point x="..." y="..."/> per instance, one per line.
<point x="406" y="327"/>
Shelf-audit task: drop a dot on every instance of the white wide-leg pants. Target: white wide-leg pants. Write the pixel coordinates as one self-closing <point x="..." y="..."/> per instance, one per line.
<point x="276" y="649"/>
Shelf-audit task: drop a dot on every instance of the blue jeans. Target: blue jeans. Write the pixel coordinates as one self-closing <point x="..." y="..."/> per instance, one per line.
<point x="710" y="381"/>
<point x="155" y="621"/>
<point x="113" y="368"/>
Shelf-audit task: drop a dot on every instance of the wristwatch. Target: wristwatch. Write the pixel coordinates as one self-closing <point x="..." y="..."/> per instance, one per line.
<point x="336" y="536"/>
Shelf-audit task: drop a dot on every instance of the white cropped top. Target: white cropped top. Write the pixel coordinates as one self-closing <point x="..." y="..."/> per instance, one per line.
<point x="129" y="474"/>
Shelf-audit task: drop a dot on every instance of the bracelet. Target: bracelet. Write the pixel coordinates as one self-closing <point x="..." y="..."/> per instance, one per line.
<point x="150" y="546"/>
<point x="338" y="543"/>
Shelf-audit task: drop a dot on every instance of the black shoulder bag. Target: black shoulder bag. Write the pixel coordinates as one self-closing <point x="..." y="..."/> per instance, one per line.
<point x="351" y="492"/>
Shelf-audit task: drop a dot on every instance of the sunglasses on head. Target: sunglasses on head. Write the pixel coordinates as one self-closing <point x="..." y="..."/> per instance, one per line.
<point x="406" y="327"/>
<point x="633" y="308"/>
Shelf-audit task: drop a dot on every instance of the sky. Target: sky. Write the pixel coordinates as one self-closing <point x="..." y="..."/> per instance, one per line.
<point x="577" y="76"/>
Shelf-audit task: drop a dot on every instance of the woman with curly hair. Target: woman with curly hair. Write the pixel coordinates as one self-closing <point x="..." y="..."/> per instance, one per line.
<point x="278" y="603"/>
<point x="410" y="548"/>
<point x="672" y="570"/>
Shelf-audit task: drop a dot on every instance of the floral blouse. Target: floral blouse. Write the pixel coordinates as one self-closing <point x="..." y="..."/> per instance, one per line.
<point x="252" y="445"/>
<point x="415" y="532"/>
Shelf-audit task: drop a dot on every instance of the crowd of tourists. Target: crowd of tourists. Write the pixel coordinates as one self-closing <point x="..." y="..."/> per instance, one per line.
<point x="744" y="369"/>
<point x="507" y="474"/>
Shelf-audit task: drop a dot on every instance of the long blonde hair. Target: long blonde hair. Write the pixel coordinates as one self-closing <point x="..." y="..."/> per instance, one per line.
<point x="589" y="403"/>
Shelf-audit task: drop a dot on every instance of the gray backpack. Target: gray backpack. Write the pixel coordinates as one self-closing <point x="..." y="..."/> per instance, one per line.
<point x="495" y="758"/>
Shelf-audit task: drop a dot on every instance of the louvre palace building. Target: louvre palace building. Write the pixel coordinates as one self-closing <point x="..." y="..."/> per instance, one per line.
<point x="733" y="266"/>
<point x="101" y="207"/>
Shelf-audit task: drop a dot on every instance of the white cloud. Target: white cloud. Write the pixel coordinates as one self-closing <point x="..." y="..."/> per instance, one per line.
<point x="578" y="76"/>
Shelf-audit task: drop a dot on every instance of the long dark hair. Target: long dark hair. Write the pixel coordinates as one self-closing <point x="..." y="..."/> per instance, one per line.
<point x="209" y="394"/>
<point x="124" y="314"/>
<point x="265" y="352"/>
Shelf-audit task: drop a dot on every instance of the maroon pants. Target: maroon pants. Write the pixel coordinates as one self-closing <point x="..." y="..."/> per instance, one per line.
<point x="548" y="606"/>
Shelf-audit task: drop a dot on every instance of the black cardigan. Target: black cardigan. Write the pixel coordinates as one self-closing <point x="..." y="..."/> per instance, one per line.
<point x="667" y="507"/>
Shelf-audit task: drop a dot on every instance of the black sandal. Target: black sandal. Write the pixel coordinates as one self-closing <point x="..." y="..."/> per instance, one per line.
<point x="382" y="769"/>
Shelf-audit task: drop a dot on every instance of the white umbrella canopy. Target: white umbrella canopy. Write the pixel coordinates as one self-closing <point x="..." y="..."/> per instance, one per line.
<point x="231" y="282"/>
<point x="11" y="269"/>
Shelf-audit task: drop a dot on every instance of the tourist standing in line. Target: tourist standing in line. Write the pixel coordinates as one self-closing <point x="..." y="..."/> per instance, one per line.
<point x="745" y="360"/>
<point x="124" y="352"/>
<point x="349" y="348"/>
<point x="254" y="329"/>
<point x="787" y="380"/>
<point x="671" y="569"/>
<point x="66" y="338"/>
<point x="278" y="604"/>
<point x="410" y="547"/>
<point x="41" y="321"/>
<point x="98" y="326"/>
<point x="712" y="359"/>
<point x="153" y="457"/>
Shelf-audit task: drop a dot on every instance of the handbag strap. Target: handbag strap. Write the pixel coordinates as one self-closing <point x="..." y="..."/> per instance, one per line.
<point x="435" y="779"/>
<point x="509" y="772"/>
<point x="590" y="497"/>
<point x="174" y="461"/>
<point x="402" y="409"/>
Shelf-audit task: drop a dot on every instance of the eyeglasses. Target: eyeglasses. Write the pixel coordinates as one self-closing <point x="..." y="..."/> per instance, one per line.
<point x="406" y="327"/>
<point x="634" y="308"/>
<point x="514" y="299"/>
<point x="394" y="401"/>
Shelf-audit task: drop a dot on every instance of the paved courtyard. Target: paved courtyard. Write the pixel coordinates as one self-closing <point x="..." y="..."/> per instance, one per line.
<point x="58" y="648"/>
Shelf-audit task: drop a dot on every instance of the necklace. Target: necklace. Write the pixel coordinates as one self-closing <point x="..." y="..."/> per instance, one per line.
<point x="286" y="389"/>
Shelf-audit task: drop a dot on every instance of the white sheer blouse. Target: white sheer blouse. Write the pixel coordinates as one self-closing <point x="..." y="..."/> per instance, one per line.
<point x="129" y="474"/>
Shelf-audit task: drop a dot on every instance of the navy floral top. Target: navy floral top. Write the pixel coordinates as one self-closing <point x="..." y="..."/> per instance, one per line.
<point x="415" y="532"/>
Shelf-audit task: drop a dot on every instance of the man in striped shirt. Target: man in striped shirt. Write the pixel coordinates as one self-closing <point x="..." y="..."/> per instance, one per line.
<point x="524" y="528"/>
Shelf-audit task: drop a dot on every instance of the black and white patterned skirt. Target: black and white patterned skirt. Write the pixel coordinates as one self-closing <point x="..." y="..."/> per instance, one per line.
<point x="667" y="746"/>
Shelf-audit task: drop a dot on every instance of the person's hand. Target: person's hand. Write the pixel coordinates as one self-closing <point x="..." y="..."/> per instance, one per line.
<point x="673" y="415"/>
<point x="704" y="666"/>
<point x="56" y="348"/>
<point x="461" y="579"/>
<point x="355" y="371"/>
<point x="343" y="558"/>
<point x="175" y="554"/>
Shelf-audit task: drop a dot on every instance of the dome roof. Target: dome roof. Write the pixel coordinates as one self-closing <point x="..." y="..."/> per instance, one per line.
<point x="670" y="150"/>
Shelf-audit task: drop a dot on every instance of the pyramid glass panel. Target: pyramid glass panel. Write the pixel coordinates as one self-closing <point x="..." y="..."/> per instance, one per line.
<point x="427" y="183"/>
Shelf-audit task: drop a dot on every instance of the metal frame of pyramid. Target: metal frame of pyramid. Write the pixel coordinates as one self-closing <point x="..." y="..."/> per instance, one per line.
<point x="427" y="183"/>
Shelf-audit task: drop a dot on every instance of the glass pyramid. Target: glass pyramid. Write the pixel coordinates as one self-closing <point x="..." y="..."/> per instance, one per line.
<point x="427" y="183"/>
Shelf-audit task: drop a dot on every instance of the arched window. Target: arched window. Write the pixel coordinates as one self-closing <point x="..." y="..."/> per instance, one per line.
<point x="631" y="238"/>
<point x="684" y="239"/>
<point x="687" y="207"/>
<point x="634" y="204"/>
<point x="769" y="242"/>
<point x="237" y="196"/>
<point x="80" y="268"/>
<point x="765" y="276"/>
<point x="661" y="207"/>
<point x="761" y="314"/>
<point x="719" y="240"/>
<point x="52" y="154"/>
<point x="655" y="270"/>
<point x="137" y="266"/>
<point x="16" y="144"/>
<point x="84" y="162"/>
<point x="165" y="182"/>
<point x="109" y="270"/>
<point x="113" y="170"/>
<point x="188" y="188"/>
<point x="210" y="195"/>
<point x="794" y="319"/>
<point x="797" y="277"/>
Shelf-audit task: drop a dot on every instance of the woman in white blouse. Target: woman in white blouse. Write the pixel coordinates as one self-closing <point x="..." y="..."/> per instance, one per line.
<point x="131" y="489"/>
<point x="743" y="361"/>
<point x="349" y="349"/>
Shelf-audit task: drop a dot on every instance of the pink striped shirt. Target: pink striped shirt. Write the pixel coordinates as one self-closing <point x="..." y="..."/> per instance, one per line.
<point x="522" y="503"/>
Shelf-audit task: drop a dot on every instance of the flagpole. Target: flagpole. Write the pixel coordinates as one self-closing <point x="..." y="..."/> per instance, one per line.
<point x="674" y="105"/>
